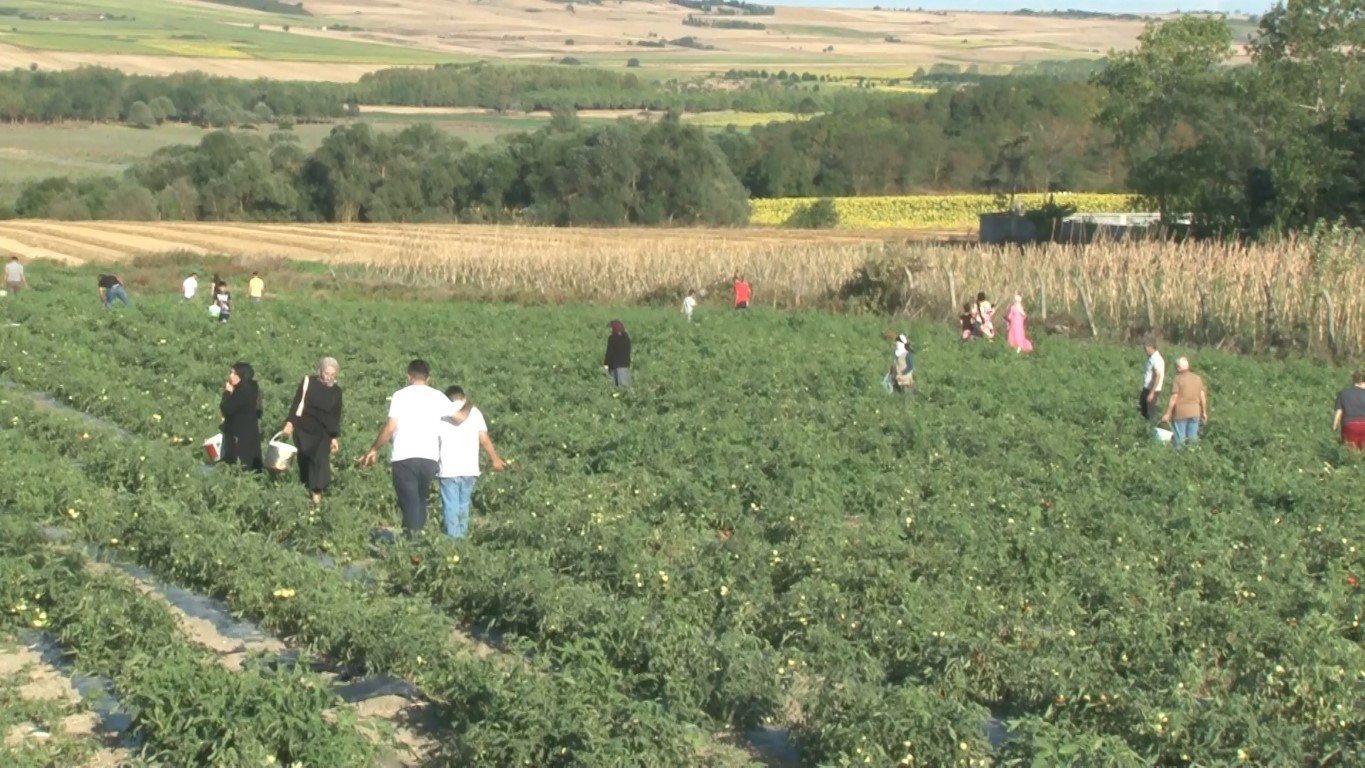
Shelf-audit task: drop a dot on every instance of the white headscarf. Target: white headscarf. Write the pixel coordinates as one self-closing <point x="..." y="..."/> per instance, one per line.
<point x="901" y="345"/>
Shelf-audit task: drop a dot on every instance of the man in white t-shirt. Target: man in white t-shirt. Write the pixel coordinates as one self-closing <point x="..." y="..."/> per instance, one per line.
<point x="459" y="470"/>
<point x="690" y="304"/>
<point x="414" y="426"/>
<point x="1153" y="379"/>
<point x="190" y="285"/>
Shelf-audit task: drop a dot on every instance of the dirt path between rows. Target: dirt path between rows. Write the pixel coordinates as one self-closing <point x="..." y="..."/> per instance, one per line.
<point x="43" y="682"/>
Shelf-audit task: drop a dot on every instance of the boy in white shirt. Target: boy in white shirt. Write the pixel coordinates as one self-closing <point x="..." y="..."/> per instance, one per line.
<point x="459" y="471"/>
<point x="414" y="425"/>
<point x="190" y="285"/>
<point x="689" y="304"/>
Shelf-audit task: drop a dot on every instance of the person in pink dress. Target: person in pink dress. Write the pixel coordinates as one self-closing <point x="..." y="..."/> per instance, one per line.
<point x="1015" y="319"/>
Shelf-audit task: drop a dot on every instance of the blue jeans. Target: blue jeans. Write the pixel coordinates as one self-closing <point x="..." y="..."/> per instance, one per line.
<point x="116" y="292"/>
<point x="1186" y="431"/>
<point x="456" y="493"/>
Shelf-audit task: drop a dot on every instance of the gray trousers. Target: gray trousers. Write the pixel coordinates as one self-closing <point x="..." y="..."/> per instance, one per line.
<point x="412" y="480"/>
<point x="620" y="377"/>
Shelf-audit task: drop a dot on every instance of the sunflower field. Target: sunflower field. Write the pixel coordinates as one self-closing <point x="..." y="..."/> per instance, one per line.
<point x="753" y="543"/>
<point x="932" y="211"/>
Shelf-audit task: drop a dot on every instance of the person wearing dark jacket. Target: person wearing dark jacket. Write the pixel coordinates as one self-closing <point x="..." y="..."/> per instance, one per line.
<point x="241" y="409"/>
<point x="315" y="424"/>
<point x="617" y="360"/>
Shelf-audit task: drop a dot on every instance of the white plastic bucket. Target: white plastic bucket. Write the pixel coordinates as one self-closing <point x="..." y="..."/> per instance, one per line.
<point x="213" y="447"/>
<point x="1163" y="435"/>
<point x="278" y="454"/>
<point x="215" y="310"/>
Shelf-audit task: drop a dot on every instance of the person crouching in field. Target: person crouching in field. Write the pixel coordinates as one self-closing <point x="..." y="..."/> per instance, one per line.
<point x="617" y="359"/>
<point x="1349" y="419"/>
<point x="112" y="288"/>
<point x="315" y="424"/>
<point x="968" y="320"/>
<point x="902" y="374"/>
<point x="459" y="471"/>
<point x="1189" y="404"/>
<point x="222" y="301"/>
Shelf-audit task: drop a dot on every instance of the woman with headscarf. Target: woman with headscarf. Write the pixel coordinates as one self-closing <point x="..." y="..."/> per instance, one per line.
<point x="617" y="360"/>
<point x="314" y="422"/>
<point x="902" y="374"/>
<point x="1015" y="321"/>
<point x="241" y="409"/>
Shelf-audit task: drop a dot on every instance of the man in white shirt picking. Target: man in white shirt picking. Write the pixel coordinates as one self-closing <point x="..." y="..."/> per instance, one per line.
<point x="414" y="425"/>
<point x="1153" y="379"/>
<point x="190" y="285"/>
<point x="459" y="470"/>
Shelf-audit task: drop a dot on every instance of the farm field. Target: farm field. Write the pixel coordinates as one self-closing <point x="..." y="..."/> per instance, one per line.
<point x="1001" y="569"/>
<point x="1123" y="288"/>
<point x="952" y="211"/>
<point x="340" y="39"/>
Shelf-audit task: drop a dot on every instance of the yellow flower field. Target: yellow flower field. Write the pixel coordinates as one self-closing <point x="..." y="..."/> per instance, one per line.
<point x="931" y="211"/>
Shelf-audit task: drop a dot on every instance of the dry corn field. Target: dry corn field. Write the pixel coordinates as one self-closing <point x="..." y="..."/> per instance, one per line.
<point x="1218" y="288"/>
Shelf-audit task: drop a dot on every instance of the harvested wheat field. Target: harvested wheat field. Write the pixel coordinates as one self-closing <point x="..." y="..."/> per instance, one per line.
<point x="80" y="242"/>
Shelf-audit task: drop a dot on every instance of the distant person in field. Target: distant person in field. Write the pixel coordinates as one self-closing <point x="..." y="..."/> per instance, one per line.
<point x="1189" y="404"/>
<point x="743" y="292"/>
<point x="314" y="422"/>
<point x="222" y="299"/>
<point x="985" y="316"/>
<point x="190" y="286"/>
<point x="1153" y="378"/>
<point x="617" y="359"/>
<point x="1015" y="321"/>
<point x="459" y="470"/>
<point x="112" y="288"/>
<point x="968" y="321"/>
<point x="414" y="426"/>
<point x="1349" y="419"/>
<point x="689" y="304"/>
<point x="241" y="409"/>
<point x="14" y="275"/>
<point x="255" y="288"/>
<point x="902" y="374"/>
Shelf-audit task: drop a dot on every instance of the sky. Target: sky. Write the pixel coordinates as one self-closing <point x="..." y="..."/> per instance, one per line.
<point x="1103" y="6"/>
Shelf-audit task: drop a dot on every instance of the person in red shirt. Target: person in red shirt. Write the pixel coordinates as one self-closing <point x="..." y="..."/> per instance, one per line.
<point x="742" y="292"/>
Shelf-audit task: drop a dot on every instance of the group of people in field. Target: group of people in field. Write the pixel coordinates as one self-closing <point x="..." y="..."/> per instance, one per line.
<point x="435" y="437"/>
<point x="220" y="297"/>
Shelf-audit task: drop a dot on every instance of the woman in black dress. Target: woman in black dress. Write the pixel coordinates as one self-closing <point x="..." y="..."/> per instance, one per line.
<point x="241" y="409"/>
<point x="315" y="424"/>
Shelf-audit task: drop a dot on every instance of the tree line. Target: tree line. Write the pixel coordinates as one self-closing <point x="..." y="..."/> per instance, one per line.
<point x="565" y="174"/>
<point x="97" y="94"/>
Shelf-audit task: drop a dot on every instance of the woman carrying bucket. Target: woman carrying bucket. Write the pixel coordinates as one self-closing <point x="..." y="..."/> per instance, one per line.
<point x="241" y="409"/>
<point x="315" y="424"/>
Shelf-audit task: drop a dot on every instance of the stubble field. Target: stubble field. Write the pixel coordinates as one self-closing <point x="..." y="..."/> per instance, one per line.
<point x="343" y="39"/>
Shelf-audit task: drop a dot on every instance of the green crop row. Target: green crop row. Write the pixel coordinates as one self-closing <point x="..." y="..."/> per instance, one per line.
<point x="1006" y="541"/>
<point x="188" y="709"/>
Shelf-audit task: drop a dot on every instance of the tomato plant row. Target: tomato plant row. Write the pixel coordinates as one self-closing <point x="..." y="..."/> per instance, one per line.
<point x="188" y="709"/>
<point x="756" y="528"/>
